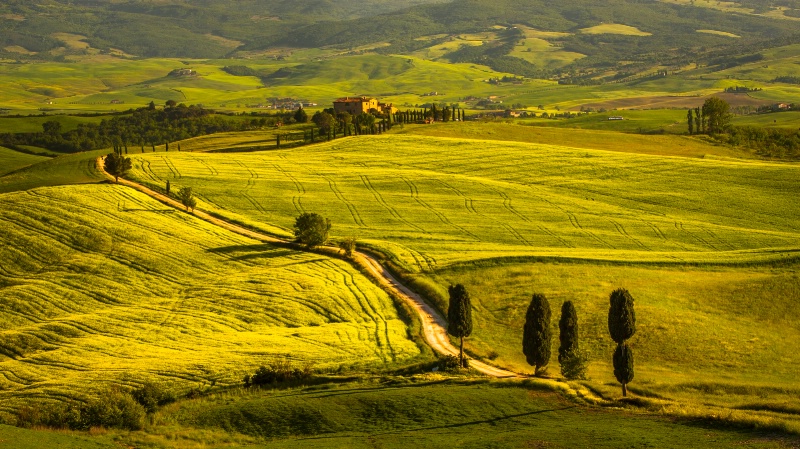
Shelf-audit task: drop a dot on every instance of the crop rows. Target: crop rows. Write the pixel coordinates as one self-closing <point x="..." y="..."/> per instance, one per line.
<point x="101" y="284"/>
<point x="457" y="200"/>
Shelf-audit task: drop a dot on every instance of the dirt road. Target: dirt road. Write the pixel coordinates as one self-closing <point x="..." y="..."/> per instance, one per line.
<point x="433" y="325"/>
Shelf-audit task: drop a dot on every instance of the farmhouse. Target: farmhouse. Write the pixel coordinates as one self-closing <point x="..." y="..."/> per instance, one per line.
<point x="359" y="105"/>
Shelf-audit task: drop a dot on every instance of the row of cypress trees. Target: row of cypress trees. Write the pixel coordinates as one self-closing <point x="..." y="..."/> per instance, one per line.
<point x="536" y="335"/>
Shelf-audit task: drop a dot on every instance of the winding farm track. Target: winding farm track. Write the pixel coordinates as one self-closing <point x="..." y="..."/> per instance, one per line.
<point x="433" y="325"/>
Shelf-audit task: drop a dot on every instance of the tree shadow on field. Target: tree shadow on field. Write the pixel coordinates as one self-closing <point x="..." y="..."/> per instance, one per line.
<point x="154" y="211"/>
<point x="251" y="252"/>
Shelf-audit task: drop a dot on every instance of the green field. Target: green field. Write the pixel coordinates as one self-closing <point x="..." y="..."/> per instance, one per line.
<point x="431" y="202"/>
<point x="103" y="285"/>
<point x="79" y="168"/>
<point x="590" y="139"/>
<point x="716" y="336"/>
<point x="428" y="411"/>
<point x="14" y="160"/>
<point x="34" y="124"/>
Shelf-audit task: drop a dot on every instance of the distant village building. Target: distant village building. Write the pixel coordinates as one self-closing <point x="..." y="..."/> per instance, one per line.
<point x="616" y="117"/>
<point x="360" y="105"/>
<point x="183" y="72"/>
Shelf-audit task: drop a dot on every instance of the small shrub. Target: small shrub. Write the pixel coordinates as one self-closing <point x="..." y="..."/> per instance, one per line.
<point x="152" y="395"/>
<point x="348" y="245"/>
<point x="114" y="408"/>
<point x="279" y="372"/>
<point x="451" y="364"/>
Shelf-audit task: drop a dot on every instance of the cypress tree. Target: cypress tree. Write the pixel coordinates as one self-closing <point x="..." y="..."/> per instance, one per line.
<point x="568" y="331"/>
<point x="622" y="326"/>
<point x="690" y="122"/>
<point x="621" y="316"/>
<point x="697" y="128"/>
<point x="623" y="366"/>
<point x="168" y="186"/>
<point x="536" y="333"/>
<point x="459" y="317"/>
<point x="167" y="148"/>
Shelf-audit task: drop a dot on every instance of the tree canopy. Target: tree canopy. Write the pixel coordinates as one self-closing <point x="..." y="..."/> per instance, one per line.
<point x="311" y="229"/>
<point x="717" y="114"/>
<point x="117" y="165"/>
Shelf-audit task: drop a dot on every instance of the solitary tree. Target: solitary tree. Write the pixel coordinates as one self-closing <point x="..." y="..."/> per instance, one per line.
<point x="717" y="114"/>
<point x="311" y="229"/>
<point x="622" y="326"/>
<point x="187" y="198"/>
<point x="117" y="165"/>
<point x="168" y="187"/>
<point x="536" y="333"/>
<point x="459" y="317"/>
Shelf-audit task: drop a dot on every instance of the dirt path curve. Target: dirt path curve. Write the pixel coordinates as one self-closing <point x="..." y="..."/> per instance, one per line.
<point x="433" y="325"/>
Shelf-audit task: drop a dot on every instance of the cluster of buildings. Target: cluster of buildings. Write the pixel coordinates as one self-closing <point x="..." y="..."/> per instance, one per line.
<point x="359" y="105"/>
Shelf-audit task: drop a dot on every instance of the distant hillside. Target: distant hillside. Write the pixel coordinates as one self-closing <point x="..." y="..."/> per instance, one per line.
<point x="628" y="36"/>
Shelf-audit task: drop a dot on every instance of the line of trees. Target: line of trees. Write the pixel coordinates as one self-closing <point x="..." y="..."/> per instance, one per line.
<point x="148" y="126"/>
<point x="537" y="333"/>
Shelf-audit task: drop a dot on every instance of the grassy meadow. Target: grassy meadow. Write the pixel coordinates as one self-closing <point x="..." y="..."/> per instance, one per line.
<point x="428" y="411"/>
<point x="431" y="202"/>
<point x="102" y="285"/>
<point x="14" y="160"/>
<point x="720" y="336"/>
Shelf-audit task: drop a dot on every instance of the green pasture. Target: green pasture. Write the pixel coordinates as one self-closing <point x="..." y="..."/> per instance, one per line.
<point x="17" y="438"/>
<point x="431" y="202"/>
<point x="668" y="120"/>
<point x="103" y="285"/>
<point x="11" y="160"/>
<point x="429" y="411"/>
<point x="789" y="119"/>
<point x="520" y="131"/>
<point x="615" y="28"/>
<point x="79" y="168"/>
<point x="33" y="124"/>
<point x="721" y="337"/>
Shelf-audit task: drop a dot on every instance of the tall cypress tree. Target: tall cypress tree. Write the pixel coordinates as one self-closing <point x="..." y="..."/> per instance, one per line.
<point x="698" y="129"/>
<point x="568" y="331"/>
<point x="459" y="316"/>
<point x="536" y="333"/>
<point x="621" y="327"/>
<point x="571" y="360"/>
<point x="690" y="122"/>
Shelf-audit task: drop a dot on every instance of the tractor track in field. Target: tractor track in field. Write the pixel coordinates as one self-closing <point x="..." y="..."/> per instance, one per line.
<point x="433" y="324"/>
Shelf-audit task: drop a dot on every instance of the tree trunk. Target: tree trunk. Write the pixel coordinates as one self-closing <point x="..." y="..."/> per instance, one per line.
<point x="461" y="352"/>
<point x="624" y="390"/>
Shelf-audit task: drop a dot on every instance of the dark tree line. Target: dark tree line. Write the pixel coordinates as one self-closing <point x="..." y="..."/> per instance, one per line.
<point x="144" y="127"/>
